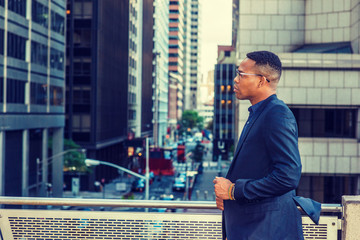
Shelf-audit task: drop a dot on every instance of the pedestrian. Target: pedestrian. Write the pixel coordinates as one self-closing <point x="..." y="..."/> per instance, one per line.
<point x="256" y="195"/>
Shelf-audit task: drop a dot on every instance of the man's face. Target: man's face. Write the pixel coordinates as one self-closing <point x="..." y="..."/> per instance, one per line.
<point x="246" y="86"/>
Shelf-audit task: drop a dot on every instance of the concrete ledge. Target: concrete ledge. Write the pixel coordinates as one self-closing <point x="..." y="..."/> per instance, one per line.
<point x="351" y="215"/>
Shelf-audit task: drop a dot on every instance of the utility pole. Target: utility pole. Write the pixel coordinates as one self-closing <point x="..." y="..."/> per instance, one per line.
<point x="156" y="102"/>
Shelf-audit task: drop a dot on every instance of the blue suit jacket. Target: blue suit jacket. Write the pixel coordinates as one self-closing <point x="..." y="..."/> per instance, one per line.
<point x="266" y="169"/>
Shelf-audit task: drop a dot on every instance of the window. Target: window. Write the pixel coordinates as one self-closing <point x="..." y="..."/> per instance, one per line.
<point x="16" y="46"/>
<point x="15" y="90"/>
<point x="56" y="96"/>
<point x="81" y="122"/>
<point x="40" y="13"/>
<point x="82" y="8"/>
<point x="1" y="89"/>
<point x="325" y="122"/>
<point x="57" y="23"/>
<point x="17" y="6"/>
<point x="38" y="93"/>
<point x="82" y="68"/>
<point x="81" y="95"/>
<point x="1" y="41"/>
<point x="132" y="114"/>
<point x="82" y="37"/>
<point x="57" y="59"/>
<point x="39" y="53"/>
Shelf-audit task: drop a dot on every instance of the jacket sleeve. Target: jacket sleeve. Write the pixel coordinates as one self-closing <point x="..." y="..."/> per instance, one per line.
<point x="281" y="143"/>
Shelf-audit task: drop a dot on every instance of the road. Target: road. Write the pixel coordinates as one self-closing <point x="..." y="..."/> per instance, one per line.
<point x="203" y="188"/>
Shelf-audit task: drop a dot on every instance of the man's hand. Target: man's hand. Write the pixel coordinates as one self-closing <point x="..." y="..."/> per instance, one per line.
<point x="220" y="204"/>
<point x="222" y="187"/>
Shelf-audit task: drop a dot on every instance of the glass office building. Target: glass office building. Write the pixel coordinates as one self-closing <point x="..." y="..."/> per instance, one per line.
<point x="32" y="47"/>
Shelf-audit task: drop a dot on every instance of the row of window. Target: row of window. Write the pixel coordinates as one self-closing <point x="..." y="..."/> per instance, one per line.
<point x="15" y="93"/>
<point x="325" y="122"/>
<point x="133" y="11"/>
<point x="39" y="14"/>
<point x="16" y="48"/>
<point x="173" y="29"/>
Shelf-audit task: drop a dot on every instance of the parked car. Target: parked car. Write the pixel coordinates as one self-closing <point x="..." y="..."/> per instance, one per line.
<point x="168" y="197"/>
<point x="179" y="185"/>
<point x="138" y="185"/>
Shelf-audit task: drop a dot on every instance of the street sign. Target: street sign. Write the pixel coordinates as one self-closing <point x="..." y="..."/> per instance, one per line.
<point x="120" y="186"/>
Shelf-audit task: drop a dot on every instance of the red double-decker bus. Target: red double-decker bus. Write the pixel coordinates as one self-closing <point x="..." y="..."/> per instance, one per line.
<point x="161" y="160"/>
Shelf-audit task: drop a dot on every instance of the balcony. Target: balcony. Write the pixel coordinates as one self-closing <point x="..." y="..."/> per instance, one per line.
<point x="198" y="220"/>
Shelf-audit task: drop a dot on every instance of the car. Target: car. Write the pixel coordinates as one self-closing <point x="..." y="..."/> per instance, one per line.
<point x="182" y="176"/>
<point x="138" y="185"/>
<point x="167" y="197"/>
<point x="178" y="185"/>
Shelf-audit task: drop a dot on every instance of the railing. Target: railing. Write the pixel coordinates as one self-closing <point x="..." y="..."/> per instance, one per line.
<point x="194" y="223"/>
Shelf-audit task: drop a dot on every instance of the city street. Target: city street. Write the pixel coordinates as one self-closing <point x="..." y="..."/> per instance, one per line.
<point x="161" y="187"/>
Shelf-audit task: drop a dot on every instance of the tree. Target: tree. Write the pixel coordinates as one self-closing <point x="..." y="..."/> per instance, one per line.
<point x="74" y="161"/>
<point x="191" y="119"/>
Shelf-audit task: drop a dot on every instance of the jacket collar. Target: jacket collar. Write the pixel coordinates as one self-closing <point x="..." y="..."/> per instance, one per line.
<point x="257" y="113"/>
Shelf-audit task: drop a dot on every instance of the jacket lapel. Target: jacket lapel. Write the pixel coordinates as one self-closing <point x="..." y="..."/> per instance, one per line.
<point x="247" y="130"/>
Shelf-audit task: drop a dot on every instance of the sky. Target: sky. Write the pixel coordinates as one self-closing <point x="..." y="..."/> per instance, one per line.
<point x="216" y="21"/>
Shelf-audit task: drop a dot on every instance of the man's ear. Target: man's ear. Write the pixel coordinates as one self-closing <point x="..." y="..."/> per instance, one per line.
<point x="261" y="82"/>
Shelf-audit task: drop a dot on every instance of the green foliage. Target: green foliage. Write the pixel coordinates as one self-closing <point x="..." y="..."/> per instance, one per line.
<point x="74" y="161"/>
<point x="190" y="119"/>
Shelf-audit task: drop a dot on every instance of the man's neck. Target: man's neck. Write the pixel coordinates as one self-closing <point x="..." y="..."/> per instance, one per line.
<point x="262" y="97"/>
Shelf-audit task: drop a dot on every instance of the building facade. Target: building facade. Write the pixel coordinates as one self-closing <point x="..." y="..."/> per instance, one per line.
<point x="134" y="65"/>
<point x="224" y="104"/>
<point x="32" y="53"/>
<point x="193" y="11"/>
<point x="206" y="98"/>
<point x="318" y="43"/>
<point x="161" y="71"/>
<point x="101" y="91"/>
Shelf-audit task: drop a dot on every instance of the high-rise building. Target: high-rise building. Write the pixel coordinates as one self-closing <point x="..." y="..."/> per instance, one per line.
<point x="224" y="104"/>
<point x="161" y="71"/>
<point x="135" y="68"/>
<point x="318" y="43"/>
<point x="32" y="47"/>
<point x="176" y="63"/>
<point x="102" y="99"/>
<point x="206" y="98"/>
<point x="193" y="11"/>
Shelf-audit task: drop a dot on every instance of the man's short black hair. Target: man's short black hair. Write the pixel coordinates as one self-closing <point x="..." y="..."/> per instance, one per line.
<point x="263" y="58"/>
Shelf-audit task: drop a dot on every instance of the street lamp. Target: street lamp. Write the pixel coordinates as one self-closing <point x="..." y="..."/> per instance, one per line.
<point x="94" y="162"/>
<point x="46" y="162"/>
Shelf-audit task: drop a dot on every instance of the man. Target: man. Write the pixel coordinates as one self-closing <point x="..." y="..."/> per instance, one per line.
<point x="257" y="194"/>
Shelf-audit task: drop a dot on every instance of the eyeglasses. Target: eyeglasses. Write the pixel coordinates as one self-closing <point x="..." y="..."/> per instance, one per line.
<point x="241" y="74"/>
